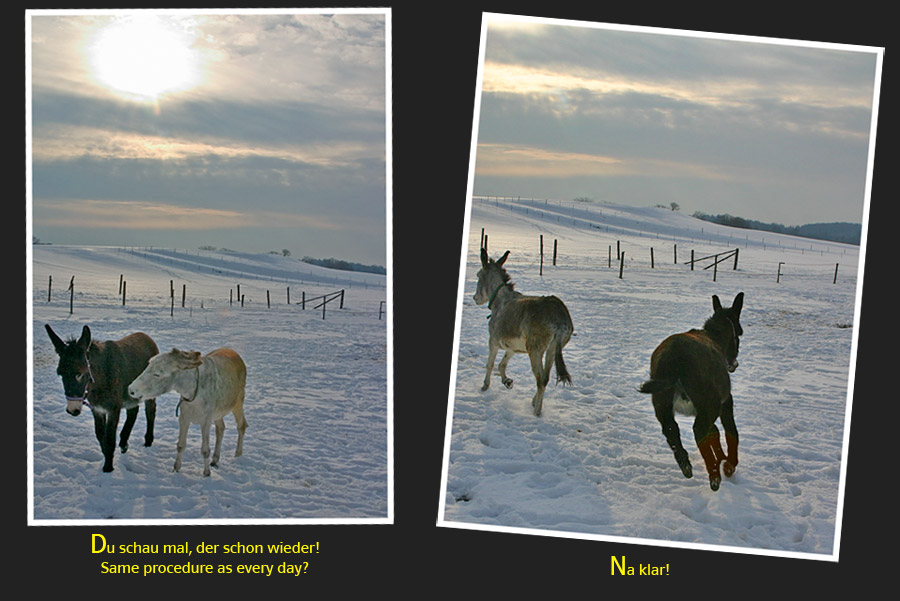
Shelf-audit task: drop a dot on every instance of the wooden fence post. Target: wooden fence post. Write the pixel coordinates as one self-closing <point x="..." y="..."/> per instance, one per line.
<point x="541" y="272"/>
<point x="692" y="259"/>
<point x="72" y="295"/>
<point x="289" y="295"/>
<point x="342" y="299"/>
<point x="778" y="278"/>
<point x="736" y="251"/>
<point x="675" y="254"/>
<point x="120" y="282"/>
<point x="621" y="264"/>
<point x="651" y="257"/>
<point x="835" y="273"/>
<point x="303" y="300"/>
<point x="183" y="294"/>
<point x="49" y="288"/>
<point x="554" y="252"/>
<point x="123" y="286"/>
<point x="268" y="303"/>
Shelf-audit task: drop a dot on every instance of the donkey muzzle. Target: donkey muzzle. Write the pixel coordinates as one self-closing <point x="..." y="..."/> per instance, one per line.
<point x="732" y="365"/>
<point x="73" y="405"/>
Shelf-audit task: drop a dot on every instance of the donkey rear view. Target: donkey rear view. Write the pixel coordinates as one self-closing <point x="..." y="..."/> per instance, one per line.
<point x="538" y="325"/>
<point x="689" y="374"/>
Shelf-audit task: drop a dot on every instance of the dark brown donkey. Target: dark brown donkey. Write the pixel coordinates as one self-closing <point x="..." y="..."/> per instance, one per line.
<point x="537" y="325"/>
<point x="97" y="374"/>
<point x="689" y="374"/>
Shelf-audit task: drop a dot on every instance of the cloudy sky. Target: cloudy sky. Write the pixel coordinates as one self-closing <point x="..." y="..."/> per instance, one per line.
<point x="773" y="132"/>
<point x="253" y="132"/>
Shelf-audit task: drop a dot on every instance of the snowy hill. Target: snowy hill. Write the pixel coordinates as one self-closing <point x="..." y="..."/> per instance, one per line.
<point x="596" y="464"/>
<point x="317" y="445"/>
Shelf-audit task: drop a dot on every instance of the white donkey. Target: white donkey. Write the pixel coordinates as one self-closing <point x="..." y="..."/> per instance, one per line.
<point x="211" y="387"/>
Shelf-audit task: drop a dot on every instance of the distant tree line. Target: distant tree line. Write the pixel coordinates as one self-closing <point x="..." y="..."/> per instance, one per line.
<point x="345" y="265"/>
<point x="847" y="233"/>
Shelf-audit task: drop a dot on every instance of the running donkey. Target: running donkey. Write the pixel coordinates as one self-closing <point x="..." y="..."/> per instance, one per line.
<point x="537" y="325"/>
<point x="689" y="374"/>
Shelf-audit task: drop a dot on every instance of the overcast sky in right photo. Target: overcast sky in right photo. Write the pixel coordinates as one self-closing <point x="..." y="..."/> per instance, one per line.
<point x="770" y="130"/>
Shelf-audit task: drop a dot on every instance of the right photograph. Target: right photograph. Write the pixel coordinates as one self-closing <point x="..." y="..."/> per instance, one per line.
<point x="660" y="287"/>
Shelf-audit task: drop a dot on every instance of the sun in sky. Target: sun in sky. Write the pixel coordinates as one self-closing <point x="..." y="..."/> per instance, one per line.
<point x="143" y="57"/>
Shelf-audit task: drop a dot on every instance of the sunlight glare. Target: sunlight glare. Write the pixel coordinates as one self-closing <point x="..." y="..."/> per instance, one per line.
<point x="143" y="58"/>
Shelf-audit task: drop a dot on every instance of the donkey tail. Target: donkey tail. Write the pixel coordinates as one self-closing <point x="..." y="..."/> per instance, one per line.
<point x="651" y="386"/>
<point x="562" y="375"/>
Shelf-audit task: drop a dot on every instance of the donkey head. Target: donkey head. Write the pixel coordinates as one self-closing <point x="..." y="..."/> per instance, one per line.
<point x="159" y="376"/>
<point x="74" y="367"/>
<point x="725" y="328"/>
<point x="491" y="277"/>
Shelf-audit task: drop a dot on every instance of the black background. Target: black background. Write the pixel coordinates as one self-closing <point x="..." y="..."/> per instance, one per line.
<point x="434" y="62"/>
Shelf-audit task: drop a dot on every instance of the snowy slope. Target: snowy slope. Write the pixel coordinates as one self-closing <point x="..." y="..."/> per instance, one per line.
<point x="317" y="403"/>
<point x="596" y="464"/>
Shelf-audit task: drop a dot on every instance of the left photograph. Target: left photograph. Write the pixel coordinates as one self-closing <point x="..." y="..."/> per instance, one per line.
<point x="208" y="264"/>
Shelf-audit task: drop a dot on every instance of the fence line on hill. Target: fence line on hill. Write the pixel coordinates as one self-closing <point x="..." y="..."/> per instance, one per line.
<point x="336" y="296"/>
<point x="819" y="271"/>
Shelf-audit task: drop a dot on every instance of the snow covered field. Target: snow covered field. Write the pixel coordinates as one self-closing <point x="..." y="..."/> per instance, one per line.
<point x="317" y="397"/>
<point x="596" y="464"/>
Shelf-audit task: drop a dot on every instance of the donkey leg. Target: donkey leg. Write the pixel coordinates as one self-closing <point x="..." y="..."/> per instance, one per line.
<point x="183" y="424"/>
<point x="502" y="368"/>
<point x="731" y="437"/>
<point x="204" y="447"/>
<point x="707" y="436"/>
<point x="540" y="376"/>
<point x="665" y="414"/>
<point x="220" y="432"/>
<point x="150" y="413"/>
<point x="130" y="418"/>
<point x="109" y="425"/>
<point x="241" y="422"/>
<point x="492" y="356"/>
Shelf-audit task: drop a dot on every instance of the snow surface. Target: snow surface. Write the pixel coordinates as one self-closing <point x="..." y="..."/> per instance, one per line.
<point x="596" y="464"/>
<point x="317" y="399"/>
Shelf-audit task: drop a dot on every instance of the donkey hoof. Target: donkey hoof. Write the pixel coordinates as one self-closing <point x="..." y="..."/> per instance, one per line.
<point x="508" y="382"/>
<point x="714" y="482"/>
<point x="728" y="469"/>
<point x="485" y="386"/>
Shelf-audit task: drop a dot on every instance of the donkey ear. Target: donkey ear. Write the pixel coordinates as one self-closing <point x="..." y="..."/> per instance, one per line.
<point x="502" y="259"/>
<point x="738" y="302"/>
<point x="195" y="359"/>
<point x="484" y="257"/>
<point x="717" y="306"/>
<point x="58" y="344"/>
<point x="85" y="340"/>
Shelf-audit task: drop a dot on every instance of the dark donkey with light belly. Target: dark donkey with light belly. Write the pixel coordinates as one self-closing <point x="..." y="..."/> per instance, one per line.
<point x="97" y="374"/>
<point x="689" y="374"/>
<point x="537" y="325"/>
